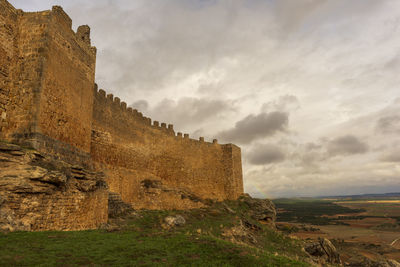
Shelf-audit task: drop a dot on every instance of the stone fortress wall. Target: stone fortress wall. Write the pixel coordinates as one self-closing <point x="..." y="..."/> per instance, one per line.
<point x="135" y="150"/>
<point x="49" y="100"/>
<point x="47" y="75"/>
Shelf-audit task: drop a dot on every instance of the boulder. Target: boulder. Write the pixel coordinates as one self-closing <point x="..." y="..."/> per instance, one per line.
<point x="240" y="234"/>
<point x="324" y="250"/>
<point x="262" y="210"/>
<point x="176" y="220"/>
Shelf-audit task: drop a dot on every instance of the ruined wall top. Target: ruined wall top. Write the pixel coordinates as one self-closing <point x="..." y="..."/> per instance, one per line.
<point x="83" y="32"/>
<point x="59" y="11"/>
<point x="63" y="21"/>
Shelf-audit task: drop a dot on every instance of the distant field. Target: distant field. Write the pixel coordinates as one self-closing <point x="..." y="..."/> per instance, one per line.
<point x="386" y="208"/>
<point x="368" y="201"/>
<point x="304" y="210"/>
<point x="367" y="226"/>
<point x="330" y="212"/>
<point x="312" y="211"/>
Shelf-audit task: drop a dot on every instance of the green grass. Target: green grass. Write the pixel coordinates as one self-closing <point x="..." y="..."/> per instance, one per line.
<point x="143" y="242"/>
<point x="126" y="249"/>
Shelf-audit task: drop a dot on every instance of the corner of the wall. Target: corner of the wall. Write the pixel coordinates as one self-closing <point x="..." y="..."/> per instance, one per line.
<point x="63" y="17"/>
<point x="4" y="4"/>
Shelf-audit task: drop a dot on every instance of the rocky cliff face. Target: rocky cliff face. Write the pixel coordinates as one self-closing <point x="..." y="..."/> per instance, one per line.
<point x="41" y="193"/>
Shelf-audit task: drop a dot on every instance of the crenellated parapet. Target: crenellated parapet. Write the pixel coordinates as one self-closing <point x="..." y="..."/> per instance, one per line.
<point x="120" y="106"/>
<point x="186" y="137"/>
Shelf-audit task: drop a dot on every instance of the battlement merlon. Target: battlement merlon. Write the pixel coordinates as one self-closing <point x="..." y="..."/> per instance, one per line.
<point x="83" y="33"/>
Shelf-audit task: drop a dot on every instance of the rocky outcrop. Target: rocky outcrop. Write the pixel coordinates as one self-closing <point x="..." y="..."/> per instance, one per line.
<point x="256" y="210"/>
<point x="240" y="234"/>
<point x="323" y="251"/>
<point x="262" y="210"/>
<point x="40" y="193"/>
<point x="172" y="221"/>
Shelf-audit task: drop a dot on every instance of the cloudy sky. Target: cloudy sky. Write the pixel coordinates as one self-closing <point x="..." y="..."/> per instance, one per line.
<point x="309" y="89"/>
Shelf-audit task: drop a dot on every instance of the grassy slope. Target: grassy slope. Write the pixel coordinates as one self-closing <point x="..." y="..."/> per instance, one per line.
<point x="142" y="241"/>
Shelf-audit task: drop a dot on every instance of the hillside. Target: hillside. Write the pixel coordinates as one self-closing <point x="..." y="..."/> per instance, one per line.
<point x="38" y="193"/>
<point x="232" y="233"/>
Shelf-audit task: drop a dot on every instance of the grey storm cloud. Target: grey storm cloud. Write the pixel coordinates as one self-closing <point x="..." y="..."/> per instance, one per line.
<point x="346" y="145"/>
<point x="310" y="155"/>
<point x="266" y="154"/>
<point x="185" y="111"/>
<point x="141" y="105"/>
<point x="312" y="146"/>
<point x="393" y="156"/>
<point x="283" y="103"/>
<point x="389" y="124"/>
<point x="255" y="127"/>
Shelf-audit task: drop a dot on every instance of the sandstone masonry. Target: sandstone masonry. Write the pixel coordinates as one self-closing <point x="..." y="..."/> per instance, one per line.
<point x="49" y="101"/>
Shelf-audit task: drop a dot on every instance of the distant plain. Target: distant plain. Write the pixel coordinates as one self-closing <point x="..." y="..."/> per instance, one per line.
<point x="366" y="226"/>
